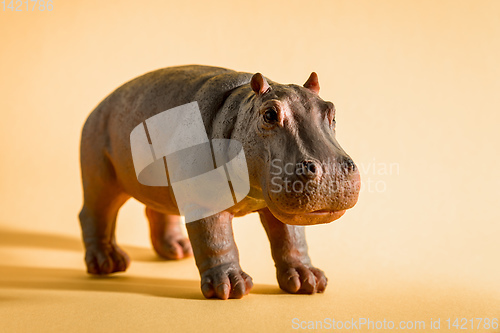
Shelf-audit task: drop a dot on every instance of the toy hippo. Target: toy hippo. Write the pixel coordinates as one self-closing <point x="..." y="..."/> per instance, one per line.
<point x="287" y="133"/>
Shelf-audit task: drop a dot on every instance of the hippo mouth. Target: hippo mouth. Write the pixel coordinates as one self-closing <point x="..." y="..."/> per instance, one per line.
<point x="320" y="216"/>
<point x="324" y="212"/>
<point x="306" y="218"/>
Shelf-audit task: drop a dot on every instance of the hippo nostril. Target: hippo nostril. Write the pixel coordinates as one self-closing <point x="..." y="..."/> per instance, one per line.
<point x="308" y="168"/>
<point x="349" y="165"/>
<point x="311" y="167"/>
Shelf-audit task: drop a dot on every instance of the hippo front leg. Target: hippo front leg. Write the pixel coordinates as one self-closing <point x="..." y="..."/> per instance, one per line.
<point x="217" y="257"/>
<point x="294" y="270"/>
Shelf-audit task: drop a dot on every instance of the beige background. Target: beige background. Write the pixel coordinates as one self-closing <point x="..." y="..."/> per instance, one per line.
<point x="416" y="88"/>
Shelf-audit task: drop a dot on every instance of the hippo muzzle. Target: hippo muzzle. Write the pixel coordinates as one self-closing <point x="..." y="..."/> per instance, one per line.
<point x="312" y="192"/>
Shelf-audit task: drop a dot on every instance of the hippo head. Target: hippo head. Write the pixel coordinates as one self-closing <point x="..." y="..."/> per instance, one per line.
<point x="304" y="176"/>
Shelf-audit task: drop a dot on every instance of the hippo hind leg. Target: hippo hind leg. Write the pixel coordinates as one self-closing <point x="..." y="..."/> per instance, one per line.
<point x="103" y="197"/>
<point x="167" y="238"/>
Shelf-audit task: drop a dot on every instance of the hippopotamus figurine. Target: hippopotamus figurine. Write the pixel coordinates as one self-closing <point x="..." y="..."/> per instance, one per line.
<point x="298" y="174"/>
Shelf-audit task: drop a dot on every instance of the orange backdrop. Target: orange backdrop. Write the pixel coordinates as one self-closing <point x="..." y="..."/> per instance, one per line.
<point x="415" y="84"/>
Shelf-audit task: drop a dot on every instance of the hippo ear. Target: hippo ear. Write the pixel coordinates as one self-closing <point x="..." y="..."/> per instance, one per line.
<point x="312" y="83"/>
<point x="259" y="84"/>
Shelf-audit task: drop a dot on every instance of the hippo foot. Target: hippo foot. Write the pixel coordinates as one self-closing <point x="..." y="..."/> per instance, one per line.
<point x="298" y="278"/>
<point x="106" y="259"/>
<point x="173" y="246"/>
<point x="225" y="281"/>
<point x="167" y="237"/>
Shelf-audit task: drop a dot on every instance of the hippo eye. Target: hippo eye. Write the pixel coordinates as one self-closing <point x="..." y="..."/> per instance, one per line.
<point x="332" y="124"/>
<point x="270" y="116"/>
